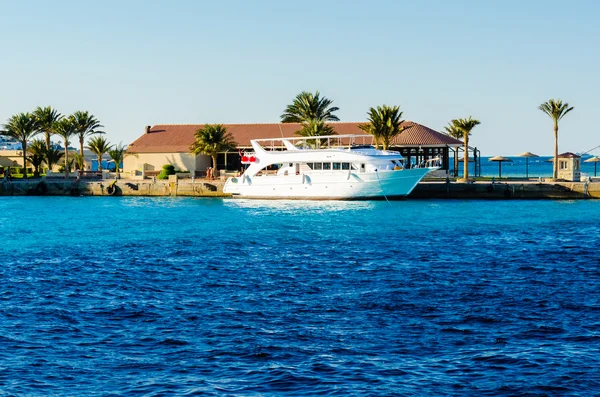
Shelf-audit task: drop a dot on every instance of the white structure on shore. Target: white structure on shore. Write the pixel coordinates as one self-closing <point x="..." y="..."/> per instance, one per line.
<point x="569" y="167"/>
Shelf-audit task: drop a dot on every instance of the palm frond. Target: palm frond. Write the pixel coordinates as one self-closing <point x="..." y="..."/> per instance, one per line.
<point x="46" y="119"/>
<point x="212" y="139"/>
<point x="465" y="125"/>
<point x="308" y="106"/>
<point x="555" y="109"/>
<point x="385" y="123"/>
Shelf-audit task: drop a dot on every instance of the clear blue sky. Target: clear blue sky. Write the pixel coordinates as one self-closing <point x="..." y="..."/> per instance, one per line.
<point x="134" y="63"/>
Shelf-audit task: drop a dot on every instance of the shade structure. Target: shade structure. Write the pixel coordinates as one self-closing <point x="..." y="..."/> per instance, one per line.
<point x="594" y="160"/>
<point x="500" y="160"/>
<point x="527" y="155"/>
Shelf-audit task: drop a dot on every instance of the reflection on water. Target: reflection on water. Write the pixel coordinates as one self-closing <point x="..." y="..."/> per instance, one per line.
<point x="301" y="205"/>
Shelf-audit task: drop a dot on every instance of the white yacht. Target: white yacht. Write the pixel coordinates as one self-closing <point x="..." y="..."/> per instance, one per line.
<point x="335" y="167"/>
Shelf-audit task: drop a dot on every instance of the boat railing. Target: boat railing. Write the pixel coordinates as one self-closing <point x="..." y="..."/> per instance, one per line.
<point x="435" y="162"/>
<point x="318" y="142"/>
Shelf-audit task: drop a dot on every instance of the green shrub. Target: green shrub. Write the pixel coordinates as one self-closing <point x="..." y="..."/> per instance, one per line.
<point x="167" y="169"/>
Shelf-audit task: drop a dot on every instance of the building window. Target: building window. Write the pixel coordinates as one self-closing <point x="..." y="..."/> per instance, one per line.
<point x="562" y="164"/>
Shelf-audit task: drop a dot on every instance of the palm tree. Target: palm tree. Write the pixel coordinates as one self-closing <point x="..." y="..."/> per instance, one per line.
<point x="117" y="155"/>
<point x="307" y="106"/>
<point x="384" y="124"/>
<point x="66" y="128"/>
<point x="465" y="126"/>
<point x="22" y="127"/>
<point x="79" y="162"/>
<point x="211" y="140"/>
<point x="46" y="118"/>
<point x="454" y="133"/>
<point x="37" y="155"/>
<point x="315" y="128"/>
<point x="86" y="125"/>
<point x="556" y="109"/>
<point x="52" y="158"/>
<point x="99" y="145"/>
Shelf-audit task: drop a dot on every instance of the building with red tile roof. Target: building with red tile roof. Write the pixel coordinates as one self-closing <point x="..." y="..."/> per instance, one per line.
<point x="170" y="143"/>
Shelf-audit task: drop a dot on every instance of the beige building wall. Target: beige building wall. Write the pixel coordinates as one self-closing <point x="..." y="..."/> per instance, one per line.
<point x="203" y="162"/>
<point x="11" y="158"/>
<point x="569" y="169"/>
<point x="155" y="161"/>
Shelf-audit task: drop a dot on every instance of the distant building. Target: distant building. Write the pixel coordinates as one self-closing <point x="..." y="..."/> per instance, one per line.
<point x="569" y="167"/>
<point x="170" y="144"/>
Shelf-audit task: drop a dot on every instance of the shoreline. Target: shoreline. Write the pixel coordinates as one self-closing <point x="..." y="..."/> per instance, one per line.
<point x="480" y="190"/>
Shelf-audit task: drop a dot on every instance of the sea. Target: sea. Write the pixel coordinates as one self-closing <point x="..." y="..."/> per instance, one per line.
<point x="137" y="296"/>
<point x="519" y="167"/>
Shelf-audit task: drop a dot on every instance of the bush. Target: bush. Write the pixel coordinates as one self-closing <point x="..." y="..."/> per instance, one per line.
<point x="167" y="169"/>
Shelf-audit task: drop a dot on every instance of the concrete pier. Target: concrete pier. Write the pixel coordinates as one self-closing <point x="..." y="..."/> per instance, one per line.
<point x="509" y="190"/>
<point x="505" y="190"/>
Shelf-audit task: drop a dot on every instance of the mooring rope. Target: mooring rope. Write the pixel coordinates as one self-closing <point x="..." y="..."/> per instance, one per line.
<point x="381" y="187"/>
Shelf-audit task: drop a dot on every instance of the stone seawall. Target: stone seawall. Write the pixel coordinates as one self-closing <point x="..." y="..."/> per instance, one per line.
<point x="205" y="188"/>
<point x="507" y="190"/>
<point x="122" y="187"/>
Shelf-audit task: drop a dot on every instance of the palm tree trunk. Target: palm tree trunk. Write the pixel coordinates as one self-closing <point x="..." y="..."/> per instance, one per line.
<point x="81" y="152"/>
<point x="24" y="146"/>
<point x="66" y="158"/>
<point x="555" y="176"/>
<point x="455" y="161"/>
<point x="214" y="159"/>
<point x="100" y="163"/>
<point x="466" y="157"/>
<point x="47" y="140"/>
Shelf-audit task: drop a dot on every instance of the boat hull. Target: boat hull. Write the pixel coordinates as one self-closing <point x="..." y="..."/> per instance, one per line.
<point x="393" y="184"/>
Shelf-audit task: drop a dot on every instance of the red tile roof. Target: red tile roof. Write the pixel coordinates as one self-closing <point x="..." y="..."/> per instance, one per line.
<point x="568" y="155"/>
<point x="177" y="138"/>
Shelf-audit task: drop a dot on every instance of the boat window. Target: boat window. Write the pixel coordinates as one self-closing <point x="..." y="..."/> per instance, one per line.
<point x="291" y="165"/>
<point x="345" y="166"/>
<point x="326" y="166"/>
<point x="337" y="166"/>
<point x="310" y="165"/>
<point x="362" y="167"/>
<point x="318" y="166"/>
<point x="354" y="167"/>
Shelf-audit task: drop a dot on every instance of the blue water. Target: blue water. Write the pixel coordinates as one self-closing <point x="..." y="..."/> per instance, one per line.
<point x="161" y="297"/>
<point x="538" y="167"/>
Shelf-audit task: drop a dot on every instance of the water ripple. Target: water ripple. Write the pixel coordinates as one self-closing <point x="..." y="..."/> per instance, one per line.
<point x="146" y="296"/>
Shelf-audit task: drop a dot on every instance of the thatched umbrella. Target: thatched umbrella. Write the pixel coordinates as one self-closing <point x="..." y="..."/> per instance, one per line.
<point x="500" y="159"/>
<point x="527" y="155"/>
<point x="594" y="160"/>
